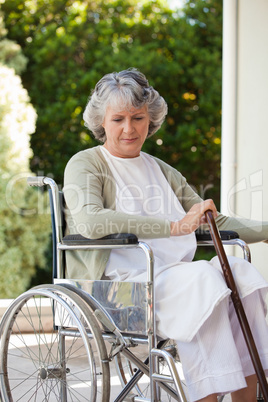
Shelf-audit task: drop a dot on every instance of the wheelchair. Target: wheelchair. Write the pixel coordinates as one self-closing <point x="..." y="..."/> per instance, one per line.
<point x="78" y="328"/>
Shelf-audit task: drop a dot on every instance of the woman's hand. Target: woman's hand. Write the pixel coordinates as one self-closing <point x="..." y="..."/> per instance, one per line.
<point x="193" y="219"/>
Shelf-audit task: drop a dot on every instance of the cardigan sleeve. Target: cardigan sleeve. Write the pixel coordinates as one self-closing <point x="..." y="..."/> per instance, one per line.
<point x="183" y="191"/>
<point x="89" y="192"/>
<point x="250" y="231"/>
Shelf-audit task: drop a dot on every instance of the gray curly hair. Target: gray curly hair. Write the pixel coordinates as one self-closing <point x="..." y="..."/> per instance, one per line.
<point x="123" y="90"/>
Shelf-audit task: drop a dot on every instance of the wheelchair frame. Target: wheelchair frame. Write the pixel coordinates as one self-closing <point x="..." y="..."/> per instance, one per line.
<point x="90" y="320"/>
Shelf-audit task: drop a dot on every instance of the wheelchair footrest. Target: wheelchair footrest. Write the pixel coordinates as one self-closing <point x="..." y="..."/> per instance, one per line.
<point x="174" y="375"/>
<point x="162" y="377"/>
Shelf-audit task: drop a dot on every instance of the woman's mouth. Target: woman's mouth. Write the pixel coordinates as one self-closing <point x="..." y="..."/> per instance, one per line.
<point x="129" y="140"/>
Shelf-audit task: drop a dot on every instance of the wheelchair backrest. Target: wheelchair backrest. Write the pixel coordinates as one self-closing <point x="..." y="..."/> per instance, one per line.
<point x="61" y="229"/>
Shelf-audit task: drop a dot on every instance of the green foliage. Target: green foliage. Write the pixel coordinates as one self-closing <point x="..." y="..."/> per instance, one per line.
<point x="23" y="237"/>
<point x="71" y="44"/>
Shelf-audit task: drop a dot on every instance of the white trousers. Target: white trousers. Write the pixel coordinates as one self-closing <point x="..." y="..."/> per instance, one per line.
<point x="217" y="359"/>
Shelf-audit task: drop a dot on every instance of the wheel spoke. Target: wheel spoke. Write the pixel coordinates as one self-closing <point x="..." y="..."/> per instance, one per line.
<point x="57" y="365"/>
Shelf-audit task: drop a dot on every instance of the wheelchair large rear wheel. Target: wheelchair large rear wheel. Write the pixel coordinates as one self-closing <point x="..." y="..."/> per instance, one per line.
<point x="52" y="349"/>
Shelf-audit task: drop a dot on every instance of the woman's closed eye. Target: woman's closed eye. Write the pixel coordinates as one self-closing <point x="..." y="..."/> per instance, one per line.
<point x="138" y="118"/>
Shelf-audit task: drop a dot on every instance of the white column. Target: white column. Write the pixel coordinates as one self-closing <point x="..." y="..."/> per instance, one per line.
<point x="252" y="120"/>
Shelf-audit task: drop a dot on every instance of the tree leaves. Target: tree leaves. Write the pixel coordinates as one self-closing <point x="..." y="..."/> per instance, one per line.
<point x="71" y="45"/>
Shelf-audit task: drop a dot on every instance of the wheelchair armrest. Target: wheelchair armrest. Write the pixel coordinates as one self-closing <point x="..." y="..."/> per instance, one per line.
<point x="129" y="238"/>
<point x="204" y="235"/>
<point x="113" y="239"/>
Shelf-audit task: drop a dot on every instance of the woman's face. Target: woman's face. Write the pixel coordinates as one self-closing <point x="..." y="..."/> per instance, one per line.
<point x="126" y="131"/>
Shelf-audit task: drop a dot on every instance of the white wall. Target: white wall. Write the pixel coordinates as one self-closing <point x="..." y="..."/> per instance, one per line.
<point x="252" y="118"/>
<point x="251" y="131"/>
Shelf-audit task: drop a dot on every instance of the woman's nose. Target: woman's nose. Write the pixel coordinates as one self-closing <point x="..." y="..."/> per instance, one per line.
<point x="128" y="126"/>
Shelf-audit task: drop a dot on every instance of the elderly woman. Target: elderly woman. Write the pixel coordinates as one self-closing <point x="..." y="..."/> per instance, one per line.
<point x="115" y="187"/>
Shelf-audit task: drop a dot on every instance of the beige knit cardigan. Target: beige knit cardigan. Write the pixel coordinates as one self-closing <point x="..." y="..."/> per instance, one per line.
<point x="90" y="190"/>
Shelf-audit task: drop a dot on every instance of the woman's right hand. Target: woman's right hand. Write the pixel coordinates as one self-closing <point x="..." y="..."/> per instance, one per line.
<point x="193" y="219"/>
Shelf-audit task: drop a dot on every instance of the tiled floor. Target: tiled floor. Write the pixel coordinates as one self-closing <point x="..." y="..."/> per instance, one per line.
<point x="115" y="383"/>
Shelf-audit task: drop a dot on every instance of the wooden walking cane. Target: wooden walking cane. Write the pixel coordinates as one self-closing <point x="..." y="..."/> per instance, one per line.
<point x="237" y="304"/>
